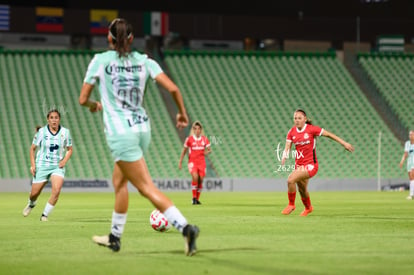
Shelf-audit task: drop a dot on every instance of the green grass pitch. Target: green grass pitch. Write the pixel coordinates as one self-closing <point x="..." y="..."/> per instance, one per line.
<point x="241" y="233"/>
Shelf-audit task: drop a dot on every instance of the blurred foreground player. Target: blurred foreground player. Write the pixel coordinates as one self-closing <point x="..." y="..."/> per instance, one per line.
<point x="121" y="76"/>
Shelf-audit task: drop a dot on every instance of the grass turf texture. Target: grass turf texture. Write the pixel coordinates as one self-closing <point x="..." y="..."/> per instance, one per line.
<point x="241" y="233"/>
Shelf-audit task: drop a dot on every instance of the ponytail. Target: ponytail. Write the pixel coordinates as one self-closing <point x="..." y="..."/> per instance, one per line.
<point x="120" y="32"/>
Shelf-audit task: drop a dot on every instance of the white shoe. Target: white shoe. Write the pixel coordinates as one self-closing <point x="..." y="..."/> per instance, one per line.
<point x="43" y="218"/>
<point x="109" y="241"/>
<point x="27" y="210"/>
<point x="101" y="240"/>
<point x="409" y="197"/>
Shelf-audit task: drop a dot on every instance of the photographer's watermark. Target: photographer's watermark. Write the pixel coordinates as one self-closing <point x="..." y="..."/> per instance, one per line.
<point x="282" y="154"/>
<point x="215" y="140"/>
<point x="46" y="108"/>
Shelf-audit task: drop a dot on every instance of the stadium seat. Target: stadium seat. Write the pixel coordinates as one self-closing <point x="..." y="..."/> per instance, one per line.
<point x="245" y="103"/>
<point x="256" y="111"/>
<point x="393" y="77"/>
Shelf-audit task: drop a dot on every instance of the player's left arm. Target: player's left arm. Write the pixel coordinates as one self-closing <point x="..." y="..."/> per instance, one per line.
<point x="207" y="150"/>
<point x="172" y="88"/>
<point x="404" y="157"/>
<point x="68" y="154"/>
<point x="332" y="136"/>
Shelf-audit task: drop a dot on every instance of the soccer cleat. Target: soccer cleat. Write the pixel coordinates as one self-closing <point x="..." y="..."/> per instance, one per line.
<point x="110" y="241"/>
<point x="194" y="201"/>
<point x="289" y="209"/>
<point x="43" y="218"/>
<point x="190" y="233"/>
<point x="198" y="202"/>
<point x="307" y="211"/>
<point x="408" y="198"/>
<point x="27" y="210"/>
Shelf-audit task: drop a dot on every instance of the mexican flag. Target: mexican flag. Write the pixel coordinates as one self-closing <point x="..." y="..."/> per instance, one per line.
<point x="156" y="23"/>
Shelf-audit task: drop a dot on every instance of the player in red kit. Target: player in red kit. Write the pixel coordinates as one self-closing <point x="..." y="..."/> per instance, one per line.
<point x="303" y="134"/>
<point x="198" y="146"/>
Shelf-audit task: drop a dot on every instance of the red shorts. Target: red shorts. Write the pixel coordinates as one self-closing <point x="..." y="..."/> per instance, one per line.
<point x="198" y="168"/>
<point x="311" y="168"/>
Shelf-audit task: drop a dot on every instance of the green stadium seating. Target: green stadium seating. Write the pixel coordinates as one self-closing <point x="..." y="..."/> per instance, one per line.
<point x="247" y="102"/>
<point x="393" y="75"/>
<point x="244" y="100"/>
<point x="33" y="82"/>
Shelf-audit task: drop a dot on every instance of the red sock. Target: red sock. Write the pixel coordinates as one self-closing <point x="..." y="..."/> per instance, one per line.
<point x="306" y="202"/>
<point x="194" y="189"/>
<point x="200" y="187"/>
<point x="292" y="197"/>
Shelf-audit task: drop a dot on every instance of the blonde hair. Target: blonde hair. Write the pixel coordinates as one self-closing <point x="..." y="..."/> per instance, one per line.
<point x="196" y="123"/>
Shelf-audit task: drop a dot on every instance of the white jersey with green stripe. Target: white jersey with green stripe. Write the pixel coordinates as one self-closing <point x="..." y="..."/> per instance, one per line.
<point x="121" y="84"/>
<point x="51" y="147"/>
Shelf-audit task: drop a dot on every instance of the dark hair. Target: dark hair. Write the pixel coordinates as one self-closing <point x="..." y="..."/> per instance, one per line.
<point x="120" y="31"/>
<point x="197" y="123"/>
<point x="37" y="128"/>
<point x="53" y="111"/>
<point x="308" y="121"/>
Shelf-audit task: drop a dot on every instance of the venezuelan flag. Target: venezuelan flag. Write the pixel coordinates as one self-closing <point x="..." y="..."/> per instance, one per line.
<point x="100" y="20"/>
<point x="49" y="19"/>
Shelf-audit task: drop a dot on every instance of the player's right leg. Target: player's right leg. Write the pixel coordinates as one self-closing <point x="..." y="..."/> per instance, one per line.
<point x="296" y="176"/>
<point x="109" y="241"/>
<point x="190" y="233"/>
<point x="37" y="187"/>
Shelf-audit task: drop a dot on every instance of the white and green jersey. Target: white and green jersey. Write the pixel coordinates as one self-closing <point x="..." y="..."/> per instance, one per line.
<point x="409" y="148"/>
<point x="51" y="147"/>
<point x="121" y="83"/>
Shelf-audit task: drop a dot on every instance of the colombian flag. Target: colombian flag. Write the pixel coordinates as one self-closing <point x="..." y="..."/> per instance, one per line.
<point x="49" y="19"/>
<point x="100" y="20"/>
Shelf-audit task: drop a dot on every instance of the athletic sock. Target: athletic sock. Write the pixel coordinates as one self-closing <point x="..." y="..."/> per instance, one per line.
<point x="306" y="202"/>
<point x="194" y="189"/>
<point x="48" y="209"/>
<point x="199" y="189"/>
<point x="292" y="198"/>
<point x="175" y="217"/>
<point x="411" y="188"/>
<point x="118" y="224"/>
<point x="32" y="203"/>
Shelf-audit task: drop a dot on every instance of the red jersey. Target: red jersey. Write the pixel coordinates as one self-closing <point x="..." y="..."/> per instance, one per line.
<point x="196" y="147"/>
<point x="305" y="143"/>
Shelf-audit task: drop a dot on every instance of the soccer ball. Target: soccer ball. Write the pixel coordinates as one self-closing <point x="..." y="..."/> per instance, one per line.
<point x="158" y="221"/>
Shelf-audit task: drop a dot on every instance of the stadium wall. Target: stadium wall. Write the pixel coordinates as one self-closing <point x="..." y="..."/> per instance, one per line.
<point x="212" y="185"/>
